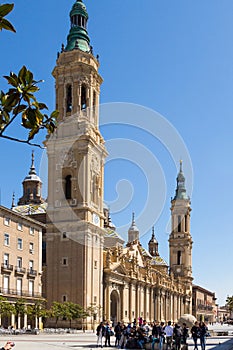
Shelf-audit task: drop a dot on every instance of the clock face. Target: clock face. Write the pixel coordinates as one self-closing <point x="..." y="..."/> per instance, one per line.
<point x="96" y="219"/>
<point x="178" y="270"/>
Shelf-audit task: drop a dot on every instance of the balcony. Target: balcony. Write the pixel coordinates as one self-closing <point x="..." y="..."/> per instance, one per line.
<point x="15" y="292"/>
<point x="20" y="270"/>
<point x="6" y="267"/>
<point x="31" y="273"/>
<point x="204" y="307"/>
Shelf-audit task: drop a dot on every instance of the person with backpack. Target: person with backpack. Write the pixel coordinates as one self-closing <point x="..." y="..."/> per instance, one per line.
<point x="160" y="329"/>
<point x="177" y="335"/>
<point x="185" y="334"/>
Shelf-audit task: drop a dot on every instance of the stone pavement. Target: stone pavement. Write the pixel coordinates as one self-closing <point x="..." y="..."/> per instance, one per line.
<point x="87" y="341"/>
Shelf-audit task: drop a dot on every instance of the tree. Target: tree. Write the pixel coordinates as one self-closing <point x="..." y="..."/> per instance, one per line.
<point x="20" y="100"/>
<point x="37" y="310"/>
<point x="6" y="308"/>
<point x="229" y="303"/>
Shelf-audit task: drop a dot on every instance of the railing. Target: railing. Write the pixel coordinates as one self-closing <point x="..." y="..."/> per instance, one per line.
<point x="7" y="267"/>
<point x="32" y="273"/>
<point x="4" y="291"/>
<point x="20" y="270"/>
<point x="204" y="307"/>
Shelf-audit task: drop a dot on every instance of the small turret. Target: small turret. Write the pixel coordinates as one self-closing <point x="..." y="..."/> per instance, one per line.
<point x="133" y="232"/>
<point x="153" y="245"/>
<point x="31" y="187"/>
<point x="180" y="187"/>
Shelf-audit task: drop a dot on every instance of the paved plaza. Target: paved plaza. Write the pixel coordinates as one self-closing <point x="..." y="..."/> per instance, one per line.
<point x="87" y="341"/>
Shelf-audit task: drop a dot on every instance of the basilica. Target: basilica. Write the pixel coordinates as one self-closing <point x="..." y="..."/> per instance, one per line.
<point x="85" y="260"/>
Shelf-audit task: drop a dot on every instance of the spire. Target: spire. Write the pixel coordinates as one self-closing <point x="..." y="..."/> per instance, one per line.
<point x="32" y="169"/>
<point x="78" y="36"/>
<point x="133" y="232"/>
<point x="13" y="200"/>
<point x="180" y="185"/>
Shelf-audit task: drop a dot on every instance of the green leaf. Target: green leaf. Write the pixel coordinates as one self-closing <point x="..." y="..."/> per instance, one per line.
<point x="5" y="24"/>
<point x="29" y="77"/>
<point x="11" y="80"/>
<point x="22" y="75"/>
<point x="42" y="106"/>
<point x="5" y="9"/>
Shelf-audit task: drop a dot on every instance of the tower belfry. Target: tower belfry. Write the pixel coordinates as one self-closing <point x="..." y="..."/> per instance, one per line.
<point x="76" y="156"/>
<point x="180" y="240"/>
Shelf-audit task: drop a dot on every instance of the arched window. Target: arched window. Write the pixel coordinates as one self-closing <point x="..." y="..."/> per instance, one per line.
<point x="179" y="223"/>
<point x="68" y="187"/>
<point x="179" y="257"/>
<point x="83" y="97"/>
<point x="69" y="98"/>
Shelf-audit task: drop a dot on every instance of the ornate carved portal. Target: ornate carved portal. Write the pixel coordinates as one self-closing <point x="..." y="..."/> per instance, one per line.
<point x="115" y="306"/>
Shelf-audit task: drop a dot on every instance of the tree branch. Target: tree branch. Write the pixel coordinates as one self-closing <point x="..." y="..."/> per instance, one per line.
<point x="21" y="141"/>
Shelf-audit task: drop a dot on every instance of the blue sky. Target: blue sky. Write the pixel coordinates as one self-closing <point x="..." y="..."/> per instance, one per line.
<point x="174" y="57"/>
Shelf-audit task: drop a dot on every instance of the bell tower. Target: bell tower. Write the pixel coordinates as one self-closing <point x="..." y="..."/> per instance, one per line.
<point x="180" y="240"/>
<point x="76" y="156"/>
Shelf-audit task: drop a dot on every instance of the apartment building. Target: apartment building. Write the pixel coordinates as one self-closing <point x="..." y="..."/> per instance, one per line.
<point x="21" y="263"/>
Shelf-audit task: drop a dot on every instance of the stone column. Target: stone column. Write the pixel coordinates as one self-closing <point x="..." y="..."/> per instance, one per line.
<point x="13" y="320"/>
<point x="107" y="301"/>
<point x="25" y="321"/>
<point x="130" y="302"/>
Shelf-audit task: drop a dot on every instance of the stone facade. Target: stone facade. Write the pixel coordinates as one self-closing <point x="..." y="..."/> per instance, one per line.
<point x="204" y="305"/>
<point x="21" y="265"/>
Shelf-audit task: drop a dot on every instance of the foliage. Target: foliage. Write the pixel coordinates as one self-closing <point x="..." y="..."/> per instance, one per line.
<point x="6" y="308"/>
<point x="67" y="310"/>
<point x="229" y="302"/>
<point x="20" y="99"/>
<point x="19" y="307"/>
<point x="37" y="310"/>
<point x="4" y="23"/>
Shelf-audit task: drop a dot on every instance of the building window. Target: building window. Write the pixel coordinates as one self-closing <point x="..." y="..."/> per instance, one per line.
<point x="19" y="262"/>
<point x="20" y="226"/>
<point x="69" y="98"/>
<point x="95" y="299"/>
<point x="125" y="313"/>
<point x="6" y="260"/>
<point x="132" y="313"/>
<point x="6" y="284"/>
<point x="32" y="231"/>
<point x="65" y="261"/>
<point x="179" y="223"/>
<point x="179" y="257"/>
<point x="64" y="298"/>
<point x="31" y="265"/>
<point x="7" y="221"/>
<point x="186" y="223"/>
<point x="68" y="187"/>
<point x="31" y="248"/>
<point x="95" y="264"/>
<point x="6" y="239"/>
<point x="19" y="286"/>
<point x="20" y="243"/>
<point x="31" y="287"/>
<point x="83" y="97"/>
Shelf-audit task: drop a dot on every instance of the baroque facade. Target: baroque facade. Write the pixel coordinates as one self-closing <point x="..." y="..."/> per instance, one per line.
<point x="87" y="261"/>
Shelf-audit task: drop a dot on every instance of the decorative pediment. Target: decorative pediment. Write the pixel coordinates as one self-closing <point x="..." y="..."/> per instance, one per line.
<point x="119" y="269"/>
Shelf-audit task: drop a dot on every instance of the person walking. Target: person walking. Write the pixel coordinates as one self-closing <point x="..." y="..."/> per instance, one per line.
<point x="168" y="330"/>
<point x="195" y="334"/>
<point x="107" y="334"/>
<point x="185" y="334"/>
<point x="203" y="331"/>
<point x="117" y="331"/>
<point x="100" y="333"/>
<point x="177" y="334"/>
<point x="161" y="335"/>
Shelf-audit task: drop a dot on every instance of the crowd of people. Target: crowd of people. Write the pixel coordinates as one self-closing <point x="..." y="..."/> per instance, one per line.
<point x="136" y="334"/>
